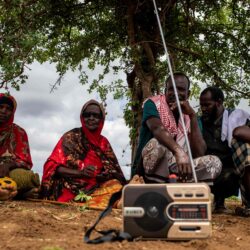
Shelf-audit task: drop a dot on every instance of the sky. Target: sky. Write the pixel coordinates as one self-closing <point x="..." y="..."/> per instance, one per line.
<point x="47" y="116"/>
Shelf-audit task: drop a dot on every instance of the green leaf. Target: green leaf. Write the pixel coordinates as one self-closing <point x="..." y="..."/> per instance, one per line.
<point x="82" y="197"/>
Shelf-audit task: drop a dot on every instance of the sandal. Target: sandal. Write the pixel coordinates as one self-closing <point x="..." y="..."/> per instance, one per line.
<point x="31" y="194"/>
<point x="222" y="210"/>
<point x="243" y="212"/>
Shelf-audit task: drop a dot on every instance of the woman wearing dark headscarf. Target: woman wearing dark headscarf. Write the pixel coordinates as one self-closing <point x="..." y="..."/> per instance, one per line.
<point x="83" y="160"/>
<point x="15" y="159"/>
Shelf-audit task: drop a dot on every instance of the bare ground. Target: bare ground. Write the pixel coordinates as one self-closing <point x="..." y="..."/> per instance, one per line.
<point x="34" y="225"/>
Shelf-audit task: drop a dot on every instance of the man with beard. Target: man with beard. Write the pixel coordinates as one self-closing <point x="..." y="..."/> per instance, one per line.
<point x="219" y="125"/>
<point x="162" y="149"/>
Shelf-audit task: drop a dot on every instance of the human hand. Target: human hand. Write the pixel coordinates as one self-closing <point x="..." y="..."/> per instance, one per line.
<point x="185" y="107"/>
<point x="183" y="164"/>
<point x="103" y="177"/>
<point x="89" y="171"/>
<point x="8" y="193"/>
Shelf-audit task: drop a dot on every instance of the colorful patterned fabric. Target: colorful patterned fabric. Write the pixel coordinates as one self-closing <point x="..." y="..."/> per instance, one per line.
<point x="207" y="167"/>
<point x="157" y="162"/>
<point x="14" y="144"/>
<point x="152" y="154"/>
<point x="101" y="196"/>
<point x="157" y="107"/>
<point x="78" y="149"/>
<point x="167" y="117"/>
<point x="241" y="158"/>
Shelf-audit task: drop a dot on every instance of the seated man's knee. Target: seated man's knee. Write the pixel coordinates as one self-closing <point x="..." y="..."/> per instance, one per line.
<point x="208" y="167"/>
<point x="152" y="154"/>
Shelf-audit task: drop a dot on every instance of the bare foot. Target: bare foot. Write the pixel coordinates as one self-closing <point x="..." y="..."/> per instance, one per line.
<point x="137" y="180"/>
<point x="119" y="204"/>
<point x="7" y="194"/>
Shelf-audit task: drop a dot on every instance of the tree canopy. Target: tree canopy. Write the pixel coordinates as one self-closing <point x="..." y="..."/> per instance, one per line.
<point x="207" y="39"/>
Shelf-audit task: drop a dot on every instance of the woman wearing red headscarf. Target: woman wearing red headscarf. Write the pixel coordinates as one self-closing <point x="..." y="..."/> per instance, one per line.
<point x="15" y="159"/>
<point x="83" y="160"/>
<point x="14" y="146"/>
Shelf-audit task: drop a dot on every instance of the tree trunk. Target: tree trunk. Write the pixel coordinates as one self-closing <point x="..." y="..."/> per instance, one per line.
<point x="141" y="78"/>
<point x="141" y="91"/>
<point x="144" y="40"/>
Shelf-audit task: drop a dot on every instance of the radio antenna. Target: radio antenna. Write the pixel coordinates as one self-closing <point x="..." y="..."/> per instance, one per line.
<point x="175" y="92"/>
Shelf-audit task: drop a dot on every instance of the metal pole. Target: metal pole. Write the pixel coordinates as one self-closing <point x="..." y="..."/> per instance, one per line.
<point x="176" y="94"/>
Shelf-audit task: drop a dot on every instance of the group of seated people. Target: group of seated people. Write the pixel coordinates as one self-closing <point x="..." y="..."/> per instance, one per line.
<point x="83" y="159"/>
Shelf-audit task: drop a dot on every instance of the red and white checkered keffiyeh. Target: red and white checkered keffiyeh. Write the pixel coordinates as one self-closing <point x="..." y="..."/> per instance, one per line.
<point x="168" y="120"/>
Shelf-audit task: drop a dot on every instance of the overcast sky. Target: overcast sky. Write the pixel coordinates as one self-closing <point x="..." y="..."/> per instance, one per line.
<point x="47" y="116"/>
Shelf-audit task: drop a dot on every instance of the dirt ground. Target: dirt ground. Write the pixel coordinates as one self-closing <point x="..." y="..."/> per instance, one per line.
<point x="34" y="225"/>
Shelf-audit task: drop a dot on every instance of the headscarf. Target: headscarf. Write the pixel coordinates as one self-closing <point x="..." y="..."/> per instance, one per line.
<point x="14" y="144"/>
<point x="93" y="137"/>
<point x="5" y="98"/>
<point x="167" y="117"/>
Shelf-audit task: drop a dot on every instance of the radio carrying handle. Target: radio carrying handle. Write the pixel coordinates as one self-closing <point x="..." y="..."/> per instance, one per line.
<point x="107" y="235"/>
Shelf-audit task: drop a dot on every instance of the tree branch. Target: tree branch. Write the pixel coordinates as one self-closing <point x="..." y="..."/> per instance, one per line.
<point x="200" y="56"/>
<point x="57" y="83"/>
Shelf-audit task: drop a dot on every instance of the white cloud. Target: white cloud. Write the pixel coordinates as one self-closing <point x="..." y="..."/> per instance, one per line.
<point x="47" y="116"/>
<point x="117" y="133"/>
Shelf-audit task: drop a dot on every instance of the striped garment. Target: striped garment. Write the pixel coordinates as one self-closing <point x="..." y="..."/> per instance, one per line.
<point x="241" y="158"/>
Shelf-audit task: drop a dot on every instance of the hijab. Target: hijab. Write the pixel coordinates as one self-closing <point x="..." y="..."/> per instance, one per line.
<point x="94" y="137"/>
<point x="10" y="100"/>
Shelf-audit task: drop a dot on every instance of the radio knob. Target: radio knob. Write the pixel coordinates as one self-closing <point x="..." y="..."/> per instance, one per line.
<point x="153" y="212"/>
